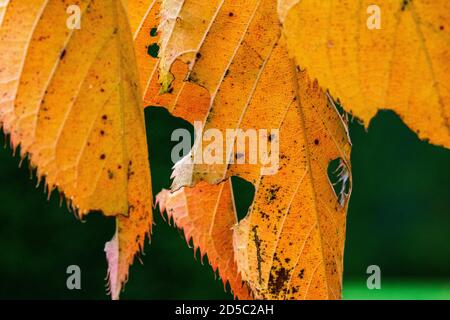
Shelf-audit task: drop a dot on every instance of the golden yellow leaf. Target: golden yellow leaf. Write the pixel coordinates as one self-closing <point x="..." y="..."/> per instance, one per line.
<point x="404" y="65"/>
<point x="137" y="13"/>
<point x="130" y="230"/>
<point x="70" y="98"/>
<point x="2" y="10"/>
<point x="290" y="245"/>
<point x="207" y="215"/>
<point x="185" y="99"/>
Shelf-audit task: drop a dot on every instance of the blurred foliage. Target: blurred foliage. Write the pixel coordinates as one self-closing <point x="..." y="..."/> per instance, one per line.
<point x="399" y="289"/>
<point x="399" y="219"/>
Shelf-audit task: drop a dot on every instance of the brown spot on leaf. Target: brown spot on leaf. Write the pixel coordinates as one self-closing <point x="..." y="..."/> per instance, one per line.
<point x="277" y="281"/>
<point x="258" y="251"/>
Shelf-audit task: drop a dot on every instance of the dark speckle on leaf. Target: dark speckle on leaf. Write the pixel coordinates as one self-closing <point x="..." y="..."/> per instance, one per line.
<point x="273" y="192"/>
<point x="405" y="4"/>
<point x="63" y="54"/>
<point x="302" y="273"/>
<point x="258" y="251"/>
<point x="277" y="280"/>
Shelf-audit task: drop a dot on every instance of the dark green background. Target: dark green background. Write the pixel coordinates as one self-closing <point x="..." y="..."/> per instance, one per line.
<point x="399" y="219"/>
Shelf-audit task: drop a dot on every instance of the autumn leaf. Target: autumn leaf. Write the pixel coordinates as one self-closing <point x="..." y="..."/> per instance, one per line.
<point x="404" y="65"/>
<point x="207" y="215"/>
<point x="185" y="100"/>
<point x="2" y="10"/>
<point x="290" y="245"/>
<point x="71" y="99"/>
<point x="132" y="230"/>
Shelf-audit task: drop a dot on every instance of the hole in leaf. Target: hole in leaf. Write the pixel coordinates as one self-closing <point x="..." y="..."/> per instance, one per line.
<point x="153" y="50"/>
<point x="153" y="32"/>
<point x="160" y="127"/>
<point x="243" y="193"/>
<point x="339" y="177"/>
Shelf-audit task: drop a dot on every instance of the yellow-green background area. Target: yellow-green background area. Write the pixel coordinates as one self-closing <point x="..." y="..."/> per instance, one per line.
<point x="399" y="219"/>
<point x="399" y="289"/>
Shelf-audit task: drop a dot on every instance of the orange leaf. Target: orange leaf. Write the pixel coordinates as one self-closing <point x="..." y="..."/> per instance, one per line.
<point x="376" y="55"/>
<point x="290" y="245"/>
<point x="70" y="98"/>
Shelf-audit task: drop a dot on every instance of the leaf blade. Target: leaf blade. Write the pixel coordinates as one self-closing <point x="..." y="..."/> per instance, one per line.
<point x="403" y="66"/>
<point x="206" y="214"/>
<point x="71" y="99"/>
<point x="241" y="100"/>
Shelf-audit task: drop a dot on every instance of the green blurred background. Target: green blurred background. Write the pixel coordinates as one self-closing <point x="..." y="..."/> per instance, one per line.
<point x="399" y="219"/>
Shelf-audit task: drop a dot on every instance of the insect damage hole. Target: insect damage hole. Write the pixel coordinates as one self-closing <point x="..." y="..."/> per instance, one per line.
<point x="243" y="194"/>
<point x="153" y="50"/>
<point x="166" y="148"/>
<point x="339" y="178"/>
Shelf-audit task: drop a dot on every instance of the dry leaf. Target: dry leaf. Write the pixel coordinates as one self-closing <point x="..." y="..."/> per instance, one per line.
<point x="71" y="99"/>
<point x="403" y="66"/>
<point x="290" y="245"/>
